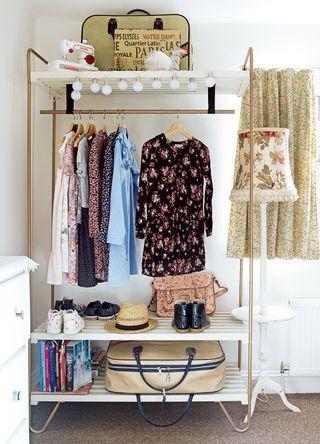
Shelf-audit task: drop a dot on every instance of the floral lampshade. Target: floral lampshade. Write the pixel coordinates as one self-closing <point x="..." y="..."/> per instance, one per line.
<point x="272" y="179"/>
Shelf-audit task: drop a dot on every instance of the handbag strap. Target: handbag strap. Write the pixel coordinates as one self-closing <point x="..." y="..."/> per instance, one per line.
<point x="222" y="290"/>
<point x="190" y="351"/>
<point x="186" y="409"/>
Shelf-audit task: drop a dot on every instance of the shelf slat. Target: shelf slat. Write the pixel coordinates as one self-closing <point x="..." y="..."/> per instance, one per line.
<point x="223" y="327"/>
<point x="234" y="390"/>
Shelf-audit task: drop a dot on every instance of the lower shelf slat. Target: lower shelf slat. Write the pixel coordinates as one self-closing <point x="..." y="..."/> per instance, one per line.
<point x="234" y="390"/>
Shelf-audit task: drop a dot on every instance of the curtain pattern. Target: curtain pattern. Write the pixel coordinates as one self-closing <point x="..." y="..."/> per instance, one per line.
<point x="283" y="98"/>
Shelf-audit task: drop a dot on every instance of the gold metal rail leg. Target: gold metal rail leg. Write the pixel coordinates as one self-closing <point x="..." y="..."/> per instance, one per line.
<point x="49" y="419"/>
<point x="230" y="420"/>
<point x="249" y="58"/>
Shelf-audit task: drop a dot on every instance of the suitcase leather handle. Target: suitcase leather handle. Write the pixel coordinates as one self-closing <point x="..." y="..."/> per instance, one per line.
<point x="138" y="10"/>
<point x="190" y="351"/>
<point x="158" y="23"/>
<point x="168" y="424"/>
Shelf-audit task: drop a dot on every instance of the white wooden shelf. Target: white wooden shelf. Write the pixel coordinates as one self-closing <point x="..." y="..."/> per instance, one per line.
<point x="234" y="390"/>
<point x="223" y="327"/>
<point x="227" y="82"/>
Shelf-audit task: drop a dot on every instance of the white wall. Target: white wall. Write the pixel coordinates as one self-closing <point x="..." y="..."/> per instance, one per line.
<point x="16" y="34"/>
<point x="220" y="46"/>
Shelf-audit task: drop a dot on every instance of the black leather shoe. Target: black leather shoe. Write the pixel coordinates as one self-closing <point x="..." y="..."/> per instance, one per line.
<point x="199" y="319"/>
<point x="91" y="312"/>
<point x="58" y="305"/>
<point x="181" y="321"/>
<point x="108" y="311"/>
<point x="67" y="304"/>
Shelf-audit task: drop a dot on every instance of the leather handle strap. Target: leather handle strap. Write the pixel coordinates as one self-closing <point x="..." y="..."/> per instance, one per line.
<point x="191" y="351"/>
<point x="186" y="409"/>
<point x="222" y="287"/>
<point x="138" y="10"/>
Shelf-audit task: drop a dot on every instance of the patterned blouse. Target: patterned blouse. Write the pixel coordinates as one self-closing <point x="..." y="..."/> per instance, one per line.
<point x="95" y="178"/>
<point x="173" y="209"/>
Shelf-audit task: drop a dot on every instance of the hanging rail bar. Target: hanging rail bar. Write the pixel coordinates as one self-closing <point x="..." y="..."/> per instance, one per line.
<point x="138" y="111"/>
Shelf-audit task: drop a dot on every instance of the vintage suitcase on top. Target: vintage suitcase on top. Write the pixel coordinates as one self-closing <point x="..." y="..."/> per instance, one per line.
<point x="99" y="31"/>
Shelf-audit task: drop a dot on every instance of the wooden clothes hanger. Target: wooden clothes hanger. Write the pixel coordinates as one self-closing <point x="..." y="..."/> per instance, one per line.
<point x="104" y="124"/>
<point x="80" y="129"/>
<point x="73" y="126"/>
<point x="91" y="129"/>
<point x="177" y="127"/>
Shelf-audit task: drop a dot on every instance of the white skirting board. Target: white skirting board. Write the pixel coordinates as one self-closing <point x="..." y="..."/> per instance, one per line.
<point x="291" y="383"/>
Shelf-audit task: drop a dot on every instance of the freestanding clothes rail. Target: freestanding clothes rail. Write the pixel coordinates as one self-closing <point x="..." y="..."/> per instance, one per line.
<point x="40" y="333"/>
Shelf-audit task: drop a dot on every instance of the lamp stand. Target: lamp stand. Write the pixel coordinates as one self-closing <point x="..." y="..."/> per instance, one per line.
<point x="264" y="314"/>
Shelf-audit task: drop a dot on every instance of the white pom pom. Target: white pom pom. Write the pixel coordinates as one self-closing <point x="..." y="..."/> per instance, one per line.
<point x="157" y="61"/>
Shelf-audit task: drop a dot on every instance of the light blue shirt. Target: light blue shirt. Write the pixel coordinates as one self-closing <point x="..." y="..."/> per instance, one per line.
<point x="121" y="231"/>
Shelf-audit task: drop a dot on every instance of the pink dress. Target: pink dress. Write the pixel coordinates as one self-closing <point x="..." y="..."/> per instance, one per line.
<point x="74" y="212"/>
<point x="55" y="266"/>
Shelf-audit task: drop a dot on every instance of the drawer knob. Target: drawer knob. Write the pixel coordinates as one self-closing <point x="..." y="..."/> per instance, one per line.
<point x="19" y="313"/>
<point x="16" y="395"/>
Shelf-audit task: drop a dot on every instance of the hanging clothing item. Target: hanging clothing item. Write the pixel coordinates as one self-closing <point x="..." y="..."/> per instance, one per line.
<point x="65" y="210"/>
<point x="121" y="231"/>
<point x="96" y="154"/>
<point x="74" y="210"/>
<point x="86" y="265"/>
<point x="106" y="197"/>
<point x="59" y="221"/>
<point x="82" y="170"/>
<point x="283" y="98"/>
<point x="172" y="214"/>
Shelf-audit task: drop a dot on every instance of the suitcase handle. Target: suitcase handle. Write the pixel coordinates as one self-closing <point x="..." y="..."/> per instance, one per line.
<point x="168" y="424"/>
<point x="190" y="351"/>
<point x="138" y="10"/>
<point x="158" y="23"/>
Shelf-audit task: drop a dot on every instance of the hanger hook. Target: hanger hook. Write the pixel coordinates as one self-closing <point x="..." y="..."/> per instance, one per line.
<point x="104" y="115"/>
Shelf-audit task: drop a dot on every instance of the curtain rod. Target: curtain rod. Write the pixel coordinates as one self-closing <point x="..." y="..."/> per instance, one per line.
<point x="136" y="111"/>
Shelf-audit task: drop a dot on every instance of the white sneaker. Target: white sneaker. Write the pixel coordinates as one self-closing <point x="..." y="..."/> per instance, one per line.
<point x="72" y="322"/>
<point x="54" y="324"/>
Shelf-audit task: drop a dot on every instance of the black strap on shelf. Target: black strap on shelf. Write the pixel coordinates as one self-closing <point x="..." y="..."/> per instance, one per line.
<point x="212" y="100"/>
<point x="69" y="99"/>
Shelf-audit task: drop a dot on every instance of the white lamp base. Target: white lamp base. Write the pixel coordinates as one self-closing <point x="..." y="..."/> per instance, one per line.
<point x="274" y="313"/>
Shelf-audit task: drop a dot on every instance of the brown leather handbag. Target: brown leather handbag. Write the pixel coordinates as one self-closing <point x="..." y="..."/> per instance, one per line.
<point x="202" y="285"/>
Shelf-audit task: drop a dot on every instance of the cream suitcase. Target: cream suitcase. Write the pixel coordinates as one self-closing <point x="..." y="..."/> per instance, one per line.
<point x="165" y="367"/>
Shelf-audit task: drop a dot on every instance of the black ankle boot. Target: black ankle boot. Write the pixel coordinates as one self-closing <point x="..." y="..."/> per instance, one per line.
<point x="58" y="305"/>
<point x="181" y="320"/>
<point x="67" y="304"/>
<point x="199" y="320"/>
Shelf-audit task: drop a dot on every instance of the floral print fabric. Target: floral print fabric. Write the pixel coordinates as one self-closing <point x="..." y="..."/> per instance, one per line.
<point x="173" y="211"/>
<point x="283" y="98"/>
<point x="74" y="211"/>
<point x="272" y="180"/>
<point x="95" y="178"/>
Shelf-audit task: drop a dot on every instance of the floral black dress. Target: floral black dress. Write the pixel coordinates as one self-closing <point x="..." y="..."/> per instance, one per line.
<point x="173" y="210"/>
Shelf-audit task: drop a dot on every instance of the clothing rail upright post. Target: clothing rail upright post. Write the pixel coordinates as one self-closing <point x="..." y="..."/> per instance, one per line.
<point x="249" y="58"/>
<point x="53" y="171"/>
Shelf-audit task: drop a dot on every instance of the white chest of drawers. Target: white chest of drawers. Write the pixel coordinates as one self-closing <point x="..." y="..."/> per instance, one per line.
<point x="14" y="334"/>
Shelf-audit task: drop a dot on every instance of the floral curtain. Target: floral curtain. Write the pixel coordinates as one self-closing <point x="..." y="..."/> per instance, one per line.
<point x="283" y="98"/>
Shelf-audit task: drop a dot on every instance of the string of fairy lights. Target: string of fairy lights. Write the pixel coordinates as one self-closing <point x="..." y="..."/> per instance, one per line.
<point x="137" y="86"/>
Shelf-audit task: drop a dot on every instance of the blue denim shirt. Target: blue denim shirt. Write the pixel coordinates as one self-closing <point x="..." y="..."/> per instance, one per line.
<point x="121" y="231"/>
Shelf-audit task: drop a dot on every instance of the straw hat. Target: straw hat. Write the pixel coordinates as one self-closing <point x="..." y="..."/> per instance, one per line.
<point x="132" y="318"/>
